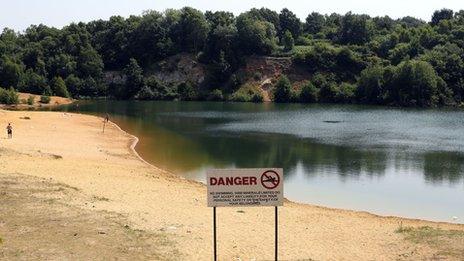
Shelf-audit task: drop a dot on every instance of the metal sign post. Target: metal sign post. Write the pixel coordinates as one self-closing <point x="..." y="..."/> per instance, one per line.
<point x="245" y="187"/>
<point x="214" y="234"/>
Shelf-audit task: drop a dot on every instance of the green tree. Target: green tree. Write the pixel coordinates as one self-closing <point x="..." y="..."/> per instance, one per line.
<point x="134" y="79"/>
<point x="283" y="90"/>
<point x="309" y="93"/>
<point x="355" y="29"/>
<point x="414" y="83"/>
<point x="256" y="36"/>
<point x="371" y="85"/>
<point x="288" y="41"/>
<point x="10" y="72"/>
<point x="186" y="91"/>
<point x="8" y="96"/>
<point x="33" y="82"/>
<point x="194" y="29"/>
<point x="443" y="14"/>
<point x="289" y="22"/>
<point x="59" y="87"/>
<point x="74" y="85"/>
<point x="314" y="23"/>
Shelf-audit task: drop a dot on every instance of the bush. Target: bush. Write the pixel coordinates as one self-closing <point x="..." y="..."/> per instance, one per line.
<point x="9" y="96"/>
<point x="370" y="85"/>
<point x="44" y="99"/>
<point x="246" y="93"/>
<point x="283" y="90"/>
<point x="257" y="97"/>
<point x="216" y="95"/>
<point x="30" y="100"/>
<point x="59" y="87"/>
<point x="309" y="93"/>
<point x="186" y="92"/>
<point x="345" y="93"/>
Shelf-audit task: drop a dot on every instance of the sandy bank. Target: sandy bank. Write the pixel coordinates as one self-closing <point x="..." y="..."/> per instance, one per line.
<point x="23" y="97"/>
<point x="71" y="149"/>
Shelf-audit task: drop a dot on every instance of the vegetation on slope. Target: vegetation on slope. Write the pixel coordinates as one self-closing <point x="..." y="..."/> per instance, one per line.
<point x="345" y="58"/>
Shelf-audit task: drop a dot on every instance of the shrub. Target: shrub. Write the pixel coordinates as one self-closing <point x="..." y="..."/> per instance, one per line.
<point x="30" y="100"/>
<point x="245" y="94"/>
<point x="288" y="41"/>
<point x="186" y="92"/>
<point x="216" y="95"/>
<point x="371" y="85"/>
<point x="283" y="90"/>
<point x="345" y="93"/>
<point x="59" y="87"/>
<point x="328" y="91"/>
<point x="44" y="99"/>
<point x="9" y="96"/>
<point x="257" y="97"/>
<point x="309" y="93"/>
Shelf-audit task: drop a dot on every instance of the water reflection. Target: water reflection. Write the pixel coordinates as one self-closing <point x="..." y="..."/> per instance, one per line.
<point x="367" y="158"/>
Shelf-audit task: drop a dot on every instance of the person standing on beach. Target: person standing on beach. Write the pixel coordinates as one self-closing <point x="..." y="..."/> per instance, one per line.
<point x="9" y="130"/>
<point x="105" y="121"/>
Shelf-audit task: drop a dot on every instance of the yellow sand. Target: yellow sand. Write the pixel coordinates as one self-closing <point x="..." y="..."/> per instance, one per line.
<point x="71" y="149"/>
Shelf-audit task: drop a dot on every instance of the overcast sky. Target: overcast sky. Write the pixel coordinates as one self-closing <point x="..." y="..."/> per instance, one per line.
<point x="19" y="14"/>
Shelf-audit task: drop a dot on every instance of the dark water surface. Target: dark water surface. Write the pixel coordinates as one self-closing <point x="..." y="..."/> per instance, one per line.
<point x="403" y="162"/>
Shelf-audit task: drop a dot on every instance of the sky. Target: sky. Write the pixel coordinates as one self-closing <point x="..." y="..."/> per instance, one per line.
<point x="19" y="14"/>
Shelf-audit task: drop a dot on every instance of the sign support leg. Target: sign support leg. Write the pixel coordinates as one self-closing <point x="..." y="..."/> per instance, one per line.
<point x="276" y="233"/>
<point x="214" y="234"/>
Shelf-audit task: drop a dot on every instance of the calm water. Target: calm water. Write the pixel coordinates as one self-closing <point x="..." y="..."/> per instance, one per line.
<point x="386" y="161"/>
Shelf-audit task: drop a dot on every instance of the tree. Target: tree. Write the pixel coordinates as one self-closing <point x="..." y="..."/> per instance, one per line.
<point x="309" y="93"/>
<point x="355" y="29"/>
<point x="413" y="83"/>
<point x="288" y="41"/>
<point x="186" y="91"/>
<point x="10" y="72"/>
<point x="134" y="79"/>
<point x="314" y="23"/>
<point x="219" y="18"/>
<point x="371" y="85"/>
<point x="443" y="14"/>
<point x="33" y="83"/>
<point x="289" y="22"/>
<point x="283" y="90"/>
<point x="448" y="61"/>
<point x="256" y="36"/>
<point x="194" y="29"/>
<point x="74" y="85"/>
<point x="58" y="87"/>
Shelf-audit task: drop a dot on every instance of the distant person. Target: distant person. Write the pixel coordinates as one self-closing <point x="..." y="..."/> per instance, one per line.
<point x="9" y="131"/>
<point x="105" y="120"/>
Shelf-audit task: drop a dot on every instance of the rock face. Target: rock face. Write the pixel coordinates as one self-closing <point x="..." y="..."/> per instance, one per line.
<point x="258" y="71"/>
<point x="172" y="71"/>
<point x="180" y="68"/>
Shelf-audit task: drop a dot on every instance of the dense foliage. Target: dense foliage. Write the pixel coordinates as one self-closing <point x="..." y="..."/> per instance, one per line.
<point x="348" y="58"/>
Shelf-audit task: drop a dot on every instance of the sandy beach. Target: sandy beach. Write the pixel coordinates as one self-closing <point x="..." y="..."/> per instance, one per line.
<point x="61" y="167"/>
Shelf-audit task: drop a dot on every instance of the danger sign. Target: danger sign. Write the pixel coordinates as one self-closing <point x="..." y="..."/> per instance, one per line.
<point x="245" y="187"/>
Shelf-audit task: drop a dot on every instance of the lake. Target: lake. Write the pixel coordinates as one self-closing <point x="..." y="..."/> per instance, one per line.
<point x="388" y="161"/>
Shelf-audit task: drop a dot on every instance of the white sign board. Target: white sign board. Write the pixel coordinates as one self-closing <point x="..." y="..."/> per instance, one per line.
<point x="245" y="187"/>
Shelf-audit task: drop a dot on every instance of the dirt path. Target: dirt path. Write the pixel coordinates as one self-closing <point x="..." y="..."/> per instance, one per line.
<point x="71" y="149"/>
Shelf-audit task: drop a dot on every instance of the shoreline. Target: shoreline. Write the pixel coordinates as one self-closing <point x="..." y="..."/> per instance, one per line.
<point x="136" y="140"/>
<point x="108" y="166"/>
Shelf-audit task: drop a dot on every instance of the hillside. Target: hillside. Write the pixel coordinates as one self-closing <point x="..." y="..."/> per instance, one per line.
<point x="259" y="55"/>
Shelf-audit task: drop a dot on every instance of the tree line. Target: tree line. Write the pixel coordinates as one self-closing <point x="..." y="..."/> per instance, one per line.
<point x="350" y="58"/>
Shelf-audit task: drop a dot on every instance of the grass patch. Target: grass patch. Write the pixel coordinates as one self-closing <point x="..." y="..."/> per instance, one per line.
<point x="445" y="242"/>
<point x="1" y="240"/>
